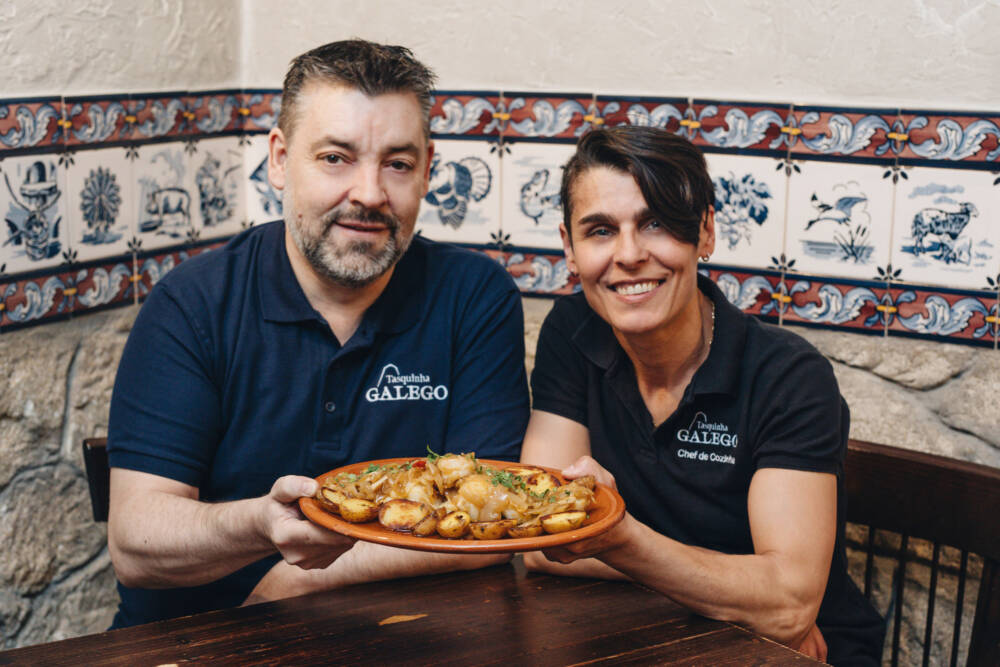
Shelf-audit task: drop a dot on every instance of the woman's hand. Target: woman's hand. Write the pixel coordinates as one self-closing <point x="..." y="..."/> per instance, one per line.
<point x="813" y="645"/>
<point x="586" y="465"/>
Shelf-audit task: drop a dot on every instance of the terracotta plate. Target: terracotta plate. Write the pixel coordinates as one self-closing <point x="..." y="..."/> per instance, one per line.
<point x="608" y="510"/>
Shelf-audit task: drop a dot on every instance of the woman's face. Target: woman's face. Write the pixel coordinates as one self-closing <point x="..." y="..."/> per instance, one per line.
<point x="634" y="273"/>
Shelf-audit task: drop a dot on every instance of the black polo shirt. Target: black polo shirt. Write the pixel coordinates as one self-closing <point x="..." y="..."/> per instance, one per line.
<point x="764" y="398"/>
<point x="230" y="379"/>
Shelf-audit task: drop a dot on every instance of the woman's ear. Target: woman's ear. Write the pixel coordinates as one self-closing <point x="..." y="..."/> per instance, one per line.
<point x="706" y="237"/>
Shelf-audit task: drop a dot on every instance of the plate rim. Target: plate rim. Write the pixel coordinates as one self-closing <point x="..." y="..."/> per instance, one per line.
<point x="381" y="535"/>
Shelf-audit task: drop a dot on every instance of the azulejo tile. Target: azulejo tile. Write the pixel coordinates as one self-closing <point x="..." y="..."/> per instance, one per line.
<point x="97" y="120"/>
<point x="263" y="201"/>
<point x="463" y="200"/>
<point x="540" y="272"/>
<point x="954" y="137"/>
<point x="951" y="315"/>
<point x="157" y="115"/>
<point x="859" y="133"/>
<point x="212" y="112"/>
<point x="33" y="300"/>
<point x="532" y="211"/>
<point x="31" y="124"/>
<point x="475" y="114"/>
<point x="259" y="109"/>
<point x="152" y="266"/>
<point x="166" y="196"/>
<point x="839" y="219"/>
<point x="564" y="116"/>
<point x="101" y="203"/>
<point x="945" y="230"/>
<point x="217" y="193"/>
<point x="735" y="125"/>
<point x="664" y="112"/>
<point x="33" y="204"/>
<point x="831" y="303"/>
<point x="749" y="209"/>
<point x="760" y="293"/>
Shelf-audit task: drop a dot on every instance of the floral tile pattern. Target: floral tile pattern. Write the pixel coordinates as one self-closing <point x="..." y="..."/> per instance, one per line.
<point x="553" y="117"/>
<point x="473" y="114"/>
<point x="842" y="132"/>
<point x="96" y="120"/>
<point x="35" y="123"/>
<point x="259" y="109"/>
<point x="747" y="126"/>
<point x="101" y="203"/>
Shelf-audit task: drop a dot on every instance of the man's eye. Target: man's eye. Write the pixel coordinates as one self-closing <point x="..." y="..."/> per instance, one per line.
<point x="400" y="165"/>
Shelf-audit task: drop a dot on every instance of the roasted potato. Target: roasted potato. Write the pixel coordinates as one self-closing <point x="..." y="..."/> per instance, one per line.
<point x="454" y="524"/>
<point x="540" y="482"/>
<point x="587" y="482"/>
<point x="404" y="515"/>
<point x="358" y="510"/>
<point x="491" y="530"/>
<point x="330" y="498"/>
<point x="560" y="522"/>
<point x="527" y="529"/>
<point x="426" y="526"/>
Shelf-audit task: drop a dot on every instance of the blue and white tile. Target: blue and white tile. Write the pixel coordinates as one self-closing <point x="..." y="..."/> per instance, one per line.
<point x="532" y="212"/>
<point x="101" y="203"/>
<point x="217" y="201"/>
<point x="749" y="209"/>
<point x="947" y="227"/>
<point x="34" y="207"/>
<point x="263" y="202"/>
<point x="463" y="201"/>
<point x="166" y="196"/>
<point x="839" y="219"/>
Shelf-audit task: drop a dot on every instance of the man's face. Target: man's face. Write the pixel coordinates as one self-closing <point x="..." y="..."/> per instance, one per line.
<point x="353" y="173"/>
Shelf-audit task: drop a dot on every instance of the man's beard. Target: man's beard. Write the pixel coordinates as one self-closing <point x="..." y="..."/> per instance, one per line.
<point x="355" y="264"/>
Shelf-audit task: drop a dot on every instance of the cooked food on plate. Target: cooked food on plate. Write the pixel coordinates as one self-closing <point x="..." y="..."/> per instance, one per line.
<point x="456" y="496"/>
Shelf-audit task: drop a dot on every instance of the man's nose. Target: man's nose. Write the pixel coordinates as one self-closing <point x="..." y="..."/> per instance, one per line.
<point x="367" y="188"/>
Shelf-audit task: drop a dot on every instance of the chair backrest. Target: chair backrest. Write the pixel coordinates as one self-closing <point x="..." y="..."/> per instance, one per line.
<point x="95" y="459"/>
<point x="941" y="500"/>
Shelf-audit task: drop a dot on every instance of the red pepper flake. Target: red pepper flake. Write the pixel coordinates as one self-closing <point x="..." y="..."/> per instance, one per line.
<point x="420" y="464"/>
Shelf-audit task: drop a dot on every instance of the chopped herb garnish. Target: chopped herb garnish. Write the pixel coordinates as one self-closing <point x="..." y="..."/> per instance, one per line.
<point x="432" y="456"/>
<point x="372" y="467"/>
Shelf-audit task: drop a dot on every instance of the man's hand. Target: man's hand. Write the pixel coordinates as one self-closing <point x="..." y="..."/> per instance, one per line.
<point x="299" y="541"/>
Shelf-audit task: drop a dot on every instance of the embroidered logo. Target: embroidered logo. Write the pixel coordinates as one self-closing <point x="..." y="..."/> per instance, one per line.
<point x="393" y="385"/>
<point x="704" y="432"/>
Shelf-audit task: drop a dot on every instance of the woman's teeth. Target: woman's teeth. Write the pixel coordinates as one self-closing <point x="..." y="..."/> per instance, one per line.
<point x="635" y="288"/>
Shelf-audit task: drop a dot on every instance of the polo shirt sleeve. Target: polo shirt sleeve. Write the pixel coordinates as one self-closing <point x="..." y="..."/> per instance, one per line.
<point x="559" y="378"/>
<point x="489" y="389"/>
<point x="803" y="422"/>
<point x="165" y="409"/>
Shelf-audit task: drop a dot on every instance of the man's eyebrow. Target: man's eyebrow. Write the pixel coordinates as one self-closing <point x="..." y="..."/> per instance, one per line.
<point x="408" y="147"/>
<point x="330" y="140"/>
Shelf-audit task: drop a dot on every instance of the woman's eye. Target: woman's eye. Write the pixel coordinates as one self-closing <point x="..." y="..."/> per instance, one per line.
<point x="599" y="231"/>
<point x="333" y="159"/>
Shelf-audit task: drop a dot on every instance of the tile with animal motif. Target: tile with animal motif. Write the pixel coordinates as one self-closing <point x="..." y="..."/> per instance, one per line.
<point x="532" y="210"/>
<point x="34" y="206"/>
<point x="263" y="201"/>
<point x="216" y="164"/>
<point x="101" y="203"/>
<point x="462" y="204"/>
<point x="749" y="209"/>
<point x="947" y="227"/>
<point x="839" y="219"/>
<point x="167" y="197"/>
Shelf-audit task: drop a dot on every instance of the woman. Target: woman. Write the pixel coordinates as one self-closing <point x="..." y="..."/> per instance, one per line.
<point x="726" y="437"/>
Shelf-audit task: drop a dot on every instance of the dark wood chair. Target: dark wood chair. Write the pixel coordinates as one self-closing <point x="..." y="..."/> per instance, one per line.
<point x="943" y="501"/>
<point x="95" y="459"/>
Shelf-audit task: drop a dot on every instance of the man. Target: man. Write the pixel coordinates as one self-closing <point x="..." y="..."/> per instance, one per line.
<point x="333" y="337"/>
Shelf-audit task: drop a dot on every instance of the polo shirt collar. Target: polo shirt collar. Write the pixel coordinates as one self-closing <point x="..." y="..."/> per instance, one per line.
<point x="720" y="371"/>
<point x="398" y="308"/>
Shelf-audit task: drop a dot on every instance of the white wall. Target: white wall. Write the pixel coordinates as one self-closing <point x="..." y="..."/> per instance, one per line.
<point x="59" y="47"/>
<point x="911" y="53"/>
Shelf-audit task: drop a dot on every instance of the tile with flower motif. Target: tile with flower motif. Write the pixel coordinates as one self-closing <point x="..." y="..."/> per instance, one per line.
<point x="759" y="293"/>
<point x="749" y="209"/>
<point x="166" y="196"/>
<point x="735" y="125"/>
<point x="819" y="301"/>
<point x="559" y="116"/>
<point x="213" y="112"/>
<point x="263" y="201"/>
<point x="540" y="272"/>
<point x="839" y="219"/>
<point x="463" y="200"/>
<point x="101" y="203"/>
<point x="34" y="207"/>
<point x="33" y="300"/>
<point x="456" y="113"/>
<point x="842" y="132"/>
<point x="532" y="211"/>
<point x="156" y="115"/>
<point x="259" y="109"/>
<point x="947" y="227"/>
<point x="96" y="120"/>
<point x="957" y="137"/>
<point x="948" y="315"/>
<point x="216" y="166"/>
<point x="662" y="112"/>
<point x="31" y="123"/>
<point x="101" y="285"/>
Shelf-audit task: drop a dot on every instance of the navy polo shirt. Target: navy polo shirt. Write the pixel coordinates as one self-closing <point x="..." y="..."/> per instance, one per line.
<point x="764" y="398"/>
<point x="231" y="379"/>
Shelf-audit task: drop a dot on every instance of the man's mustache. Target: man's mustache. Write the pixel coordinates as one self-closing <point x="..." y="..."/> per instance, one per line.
<point x="359" y="214"/>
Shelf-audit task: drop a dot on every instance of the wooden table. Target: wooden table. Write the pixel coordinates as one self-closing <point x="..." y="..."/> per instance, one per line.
<point x="498" y="615"/>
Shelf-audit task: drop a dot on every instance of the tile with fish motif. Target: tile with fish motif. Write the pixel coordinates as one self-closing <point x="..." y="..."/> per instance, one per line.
<point x="166" y="196"/>
<point x="947" y="227"/>
<point x="839" y="219"/>
<point x="749" y="209"/>
<point x="216" y="165"/>
<point x="101" y="203"/>
<point x="263" y="201"/>
<point x="462" y="204"/>
<point x="33" y="205"/>
<point x="532" y="212"/>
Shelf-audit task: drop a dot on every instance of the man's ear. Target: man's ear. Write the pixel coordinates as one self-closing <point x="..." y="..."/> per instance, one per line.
<point x="277" y="157"/>
<point x="568" y="249"/>
<point x="427" y="167"/>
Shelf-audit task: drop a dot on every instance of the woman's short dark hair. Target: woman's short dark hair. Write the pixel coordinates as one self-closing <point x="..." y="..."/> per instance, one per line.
<point x="372" y="68"/>
<point x="670" y="171"/>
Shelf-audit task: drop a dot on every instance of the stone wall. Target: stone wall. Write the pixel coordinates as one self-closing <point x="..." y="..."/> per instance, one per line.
<point x="56" y="579"/>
